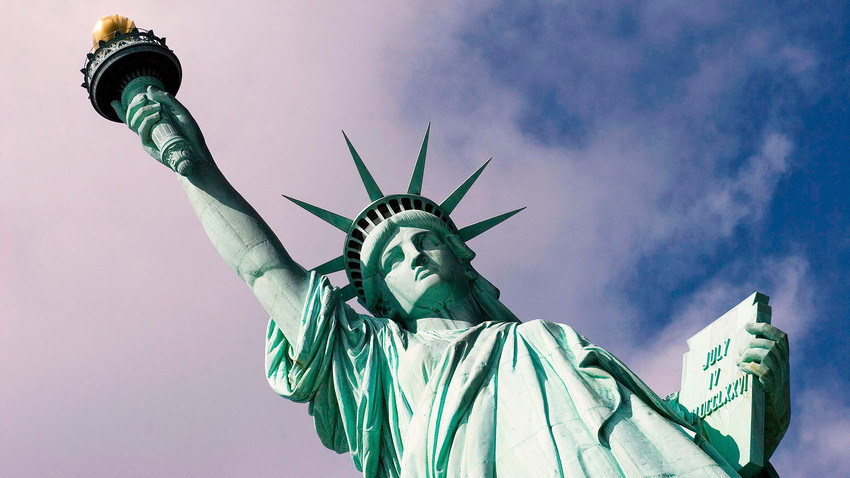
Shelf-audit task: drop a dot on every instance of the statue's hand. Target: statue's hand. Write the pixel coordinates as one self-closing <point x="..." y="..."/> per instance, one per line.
<point x="155" y="107"/>
<point x="766" y="357"/>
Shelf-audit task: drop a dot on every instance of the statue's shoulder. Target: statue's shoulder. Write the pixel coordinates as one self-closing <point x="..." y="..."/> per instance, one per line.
<point x="562" y="333"/>
<point x="548" y="325"/>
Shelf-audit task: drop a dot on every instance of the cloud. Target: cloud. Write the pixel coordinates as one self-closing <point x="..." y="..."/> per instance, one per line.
<point x="819" y="434"/>
<point x="730" y="202"/>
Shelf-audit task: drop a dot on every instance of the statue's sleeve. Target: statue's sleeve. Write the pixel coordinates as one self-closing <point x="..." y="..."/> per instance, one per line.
<point x="334" y="364"/>
<point x="672" y="401"/>
<point x="296" y="369"/>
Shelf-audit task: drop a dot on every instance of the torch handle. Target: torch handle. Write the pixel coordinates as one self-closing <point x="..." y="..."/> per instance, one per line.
<point x="175" y="150"/>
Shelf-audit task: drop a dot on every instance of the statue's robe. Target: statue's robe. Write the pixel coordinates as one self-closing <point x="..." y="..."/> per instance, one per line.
<point x="501" y="399"/>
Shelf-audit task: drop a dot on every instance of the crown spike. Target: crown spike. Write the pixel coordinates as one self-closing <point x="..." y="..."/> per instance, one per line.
<point x="478" y="228"/>
<point x="371" y="186"/>
<point x="415" y="186"/>
<point x="454" y="198"/>
<point x="333" y="265"/>
<point x="335" y="220"/>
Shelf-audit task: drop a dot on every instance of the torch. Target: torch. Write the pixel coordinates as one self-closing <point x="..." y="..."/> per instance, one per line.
<point x="125" y="61"/>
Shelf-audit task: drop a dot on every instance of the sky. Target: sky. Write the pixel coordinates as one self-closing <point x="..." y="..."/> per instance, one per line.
<point x="674" y="157"/>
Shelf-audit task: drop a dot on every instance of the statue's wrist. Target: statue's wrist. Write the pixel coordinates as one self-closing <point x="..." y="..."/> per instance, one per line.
<point x="203" y="171"/>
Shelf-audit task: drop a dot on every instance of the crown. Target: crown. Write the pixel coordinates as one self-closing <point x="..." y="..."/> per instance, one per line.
<point x="383" y="207"/>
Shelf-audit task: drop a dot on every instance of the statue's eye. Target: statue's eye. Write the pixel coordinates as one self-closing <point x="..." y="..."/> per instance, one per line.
<point x="429" y="241"/>
<point x="390" y="260"/>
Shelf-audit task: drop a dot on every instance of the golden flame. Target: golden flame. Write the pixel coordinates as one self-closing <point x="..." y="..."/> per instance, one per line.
<point x="108" y="26"/>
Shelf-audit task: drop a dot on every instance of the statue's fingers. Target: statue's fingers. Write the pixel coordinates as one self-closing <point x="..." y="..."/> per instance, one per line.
<point x="772" y="333"/>
<point x="146" y="126"/>
<point x="753" y="355"/>
<point x="753" y="368"/>
<point x="179" y="114"/>
<point x="136" y="115"/>
<point x="119" y="109"/>
<point x="137" y="102"/>
<point x="765" y="363"/>
<point x="168" y="100"/>
<point x="766" y="330"/>
<point x="759" y="343"/>
<point x="143" y="113"/>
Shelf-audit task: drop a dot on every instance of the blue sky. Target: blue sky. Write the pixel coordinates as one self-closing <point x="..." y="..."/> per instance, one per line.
<point x="674" y="157"/>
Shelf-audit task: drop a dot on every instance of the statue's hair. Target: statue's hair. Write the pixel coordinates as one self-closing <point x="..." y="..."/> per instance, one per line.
<point x="376" y="293"/>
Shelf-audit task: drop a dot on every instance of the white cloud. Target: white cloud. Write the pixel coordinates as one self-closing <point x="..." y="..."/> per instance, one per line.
<point x="729" y="202"/>
<point x="820" y="431"/>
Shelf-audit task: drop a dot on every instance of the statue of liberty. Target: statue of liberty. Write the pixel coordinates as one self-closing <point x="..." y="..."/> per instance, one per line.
<point x="442" y="380"/>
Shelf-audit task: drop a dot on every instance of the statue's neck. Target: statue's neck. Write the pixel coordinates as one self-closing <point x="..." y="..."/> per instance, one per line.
<point x="460" y="314"/>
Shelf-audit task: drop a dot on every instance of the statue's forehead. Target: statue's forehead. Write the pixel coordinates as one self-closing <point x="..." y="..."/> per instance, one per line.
<point x="404" y="233"/>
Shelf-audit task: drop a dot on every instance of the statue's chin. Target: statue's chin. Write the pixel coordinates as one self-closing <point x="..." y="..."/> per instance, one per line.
<point x="434" y="293"/>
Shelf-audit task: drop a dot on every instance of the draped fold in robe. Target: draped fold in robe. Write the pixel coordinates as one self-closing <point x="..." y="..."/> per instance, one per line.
<point x="497" y="399"/>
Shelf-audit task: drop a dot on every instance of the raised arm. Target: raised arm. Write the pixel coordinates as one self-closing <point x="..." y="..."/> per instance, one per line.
<point x="236" y="230"/>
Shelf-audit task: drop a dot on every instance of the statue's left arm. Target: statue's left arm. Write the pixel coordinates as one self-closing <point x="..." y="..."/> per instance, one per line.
<point x="766" y="358"/>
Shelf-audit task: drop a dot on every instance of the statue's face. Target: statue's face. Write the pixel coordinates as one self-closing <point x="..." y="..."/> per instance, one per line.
<point x="421" y="272"/>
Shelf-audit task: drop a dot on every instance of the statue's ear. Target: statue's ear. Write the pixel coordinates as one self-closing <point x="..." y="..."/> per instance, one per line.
<point x="461" y="250"/>
<point x="383" y="306"/>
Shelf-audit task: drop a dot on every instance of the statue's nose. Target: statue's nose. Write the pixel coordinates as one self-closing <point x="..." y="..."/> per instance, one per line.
<point x="418" y="260"/>
<point x="414" y="254"/>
